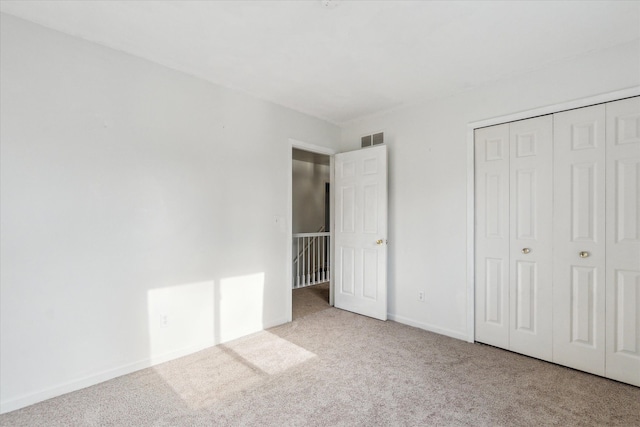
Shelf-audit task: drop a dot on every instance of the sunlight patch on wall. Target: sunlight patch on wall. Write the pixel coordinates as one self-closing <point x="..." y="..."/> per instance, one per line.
<point x="181" y="320"/>
<point x="240" y="304"/>
<point x="186" y="318"/>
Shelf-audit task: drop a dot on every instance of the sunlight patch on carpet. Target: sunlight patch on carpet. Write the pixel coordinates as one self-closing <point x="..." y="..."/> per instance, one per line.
<point x="223" y="372"/>
<point x="269" y="353"/>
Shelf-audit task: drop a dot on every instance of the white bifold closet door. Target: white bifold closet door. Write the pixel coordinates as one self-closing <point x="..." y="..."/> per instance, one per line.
<point x="622" y="354"/>
<point x="579" y="239"/>
<point x="492" y="235"/>
<point x="514" y="236"/>
<point x="597" y="240"/>
<point x="558" y="238"/>
<point x="531" y="253"/>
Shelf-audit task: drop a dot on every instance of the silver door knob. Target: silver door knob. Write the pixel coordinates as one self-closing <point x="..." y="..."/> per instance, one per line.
<point x="526" y="250"/>
<point x="584" y="254"/>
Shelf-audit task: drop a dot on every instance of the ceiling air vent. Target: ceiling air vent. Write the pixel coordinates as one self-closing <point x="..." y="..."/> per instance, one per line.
<point x="375" y="139"/>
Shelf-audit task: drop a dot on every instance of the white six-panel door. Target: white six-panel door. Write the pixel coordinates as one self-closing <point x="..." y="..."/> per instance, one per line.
<point x="531" y="252"/>
<point x="492" y="235"/>
<point x="579" y="239"/>
<point x="361" y="231"/>
<point x="623" y="241"/>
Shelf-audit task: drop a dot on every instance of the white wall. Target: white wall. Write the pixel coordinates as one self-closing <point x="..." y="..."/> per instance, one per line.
<point x="138" y="211"/>
<point x="308" y="194"/>
<point x="428" y="177"/>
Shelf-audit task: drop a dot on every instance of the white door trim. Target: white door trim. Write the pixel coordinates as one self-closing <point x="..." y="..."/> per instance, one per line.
<point x="579" y="103"/>
<point x="294" y="143"/>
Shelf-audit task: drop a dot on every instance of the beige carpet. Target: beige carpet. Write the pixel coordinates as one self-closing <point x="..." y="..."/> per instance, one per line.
<point x="310" y="300"/>
<point x="333" y="368"/>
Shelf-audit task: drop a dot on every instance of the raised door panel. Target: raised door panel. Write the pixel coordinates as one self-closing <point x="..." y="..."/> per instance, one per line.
<point x="531" y="251"/>
<point x="582" y="307"/>
<point x="623" y="241"/>
<point x="492" y="235"/>
<point x="579" y="239"/>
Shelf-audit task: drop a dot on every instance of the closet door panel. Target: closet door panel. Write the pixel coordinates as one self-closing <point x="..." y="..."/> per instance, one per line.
<point x="579" y="239"/>
<point x="492" y="235"/>
<point x="531" y="213"/>
<point x="623" y="241"/>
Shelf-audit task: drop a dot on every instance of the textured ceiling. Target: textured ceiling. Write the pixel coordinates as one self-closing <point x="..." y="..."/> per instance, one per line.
<point x="340" y="60"/>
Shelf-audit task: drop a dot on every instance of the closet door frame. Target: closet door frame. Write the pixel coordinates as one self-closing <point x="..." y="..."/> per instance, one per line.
<point x="471" y="127"/>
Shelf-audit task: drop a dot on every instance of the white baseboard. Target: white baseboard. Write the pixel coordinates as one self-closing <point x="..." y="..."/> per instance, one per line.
<point x="427" y="327"/>
<point x="89" y="380"/>
<point x="275" y="323"/>
<point x="93" y="379"/>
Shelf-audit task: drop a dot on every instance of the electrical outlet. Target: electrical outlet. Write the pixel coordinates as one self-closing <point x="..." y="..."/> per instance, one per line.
<point x="164" y="320"/>
<point x="421" y="296"/>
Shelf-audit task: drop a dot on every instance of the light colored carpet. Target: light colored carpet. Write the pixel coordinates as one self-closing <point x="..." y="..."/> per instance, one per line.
<point x="333" y="368"/>
<point x="310" y="300"/>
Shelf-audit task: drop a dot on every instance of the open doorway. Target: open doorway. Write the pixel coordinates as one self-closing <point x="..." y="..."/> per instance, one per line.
<point x="311" y="254"/>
